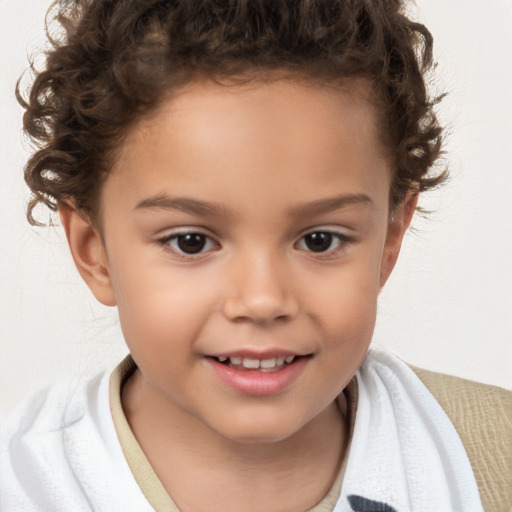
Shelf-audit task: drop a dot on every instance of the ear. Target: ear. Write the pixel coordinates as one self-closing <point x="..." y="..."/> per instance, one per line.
<point x="88" y="252"/>
<point x="399" y="220"/>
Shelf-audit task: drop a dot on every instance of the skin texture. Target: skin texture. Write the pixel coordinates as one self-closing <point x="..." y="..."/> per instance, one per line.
<point x="274" y="162"/>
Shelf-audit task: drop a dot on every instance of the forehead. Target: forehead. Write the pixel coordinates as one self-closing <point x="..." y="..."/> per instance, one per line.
<point x="212" y="137"/>
<point x="205" y="105"/>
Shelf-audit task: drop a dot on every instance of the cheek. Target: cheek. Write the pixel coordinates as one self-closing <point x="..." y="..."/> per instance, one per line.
<point x="350" y="323"/>
<point x="157" y="307"/>
<point x="350" y="290"/>
<point x="345" y="305"/>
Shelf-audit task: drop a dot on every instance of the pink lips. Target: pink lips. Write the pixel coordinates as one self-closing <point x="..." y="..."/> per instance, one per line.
<point x="255" y="381"/>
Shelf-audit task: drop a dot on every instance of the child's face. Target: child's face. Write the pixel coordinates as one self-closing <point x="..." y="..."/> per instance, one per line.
<point x="251" y="223"/>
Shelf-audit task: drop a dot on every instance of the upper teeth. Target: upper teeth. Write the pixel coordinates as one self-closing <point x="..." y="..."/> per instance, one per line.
<point x="252" y="363"/>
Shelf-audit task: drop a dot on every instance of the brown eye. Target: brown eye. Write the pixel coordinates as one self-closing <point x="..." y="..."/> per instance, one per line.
<point x="330" y="242"/>
<point x="319" y="241"/>
<point x="188" y="243"/>
<point x="191" y="243"/>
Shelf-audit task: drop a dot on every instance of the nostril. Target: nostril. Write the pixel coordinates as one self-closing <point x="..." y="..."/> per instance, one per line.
<point x="260" y="311"/>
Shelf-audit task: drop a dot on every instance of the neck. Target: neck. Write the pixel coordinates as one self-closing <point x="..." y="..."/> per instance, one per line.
<point x="292" y="474"/>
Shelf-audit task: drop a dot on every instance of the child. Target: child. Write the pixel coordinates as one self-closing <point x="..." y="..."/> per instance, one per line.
<point x="237" y="178"/>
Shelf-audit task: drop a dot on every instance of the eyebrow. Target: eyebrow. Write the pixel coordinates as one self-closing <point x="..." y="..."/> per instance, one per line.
<point x="205" y="208"/>
<point x="185" y="204"/>
<point x="330" y="204"/>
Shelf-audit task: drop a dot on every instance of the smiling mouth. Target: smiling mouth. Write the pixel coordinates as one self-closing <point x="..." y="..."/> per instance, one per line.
<point x="272" y="364"/>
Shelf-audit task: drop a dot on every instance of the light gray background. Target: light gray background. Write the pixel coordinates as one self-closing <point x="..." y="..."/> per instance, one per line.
<point x="448" y="306"/>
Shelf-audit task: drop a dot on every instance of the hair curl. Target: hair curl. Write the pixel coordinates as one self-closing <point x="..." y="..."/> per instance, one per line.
<point x="113" y="61"/>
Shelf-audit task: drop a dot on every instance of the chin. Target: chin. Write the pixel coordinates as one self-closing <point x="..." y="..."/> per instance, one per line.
<point x="258" y="431"/>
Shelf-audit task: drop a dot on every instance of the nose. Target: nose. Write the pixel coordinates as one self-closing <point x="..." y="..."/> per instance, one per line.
<point x="260" y="290"/>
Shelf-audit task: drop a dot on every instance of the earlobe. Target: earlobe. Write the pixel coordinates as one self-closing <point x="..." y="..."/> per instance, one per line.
<point x="399" y="221"/>
<point x="88" y="253"/>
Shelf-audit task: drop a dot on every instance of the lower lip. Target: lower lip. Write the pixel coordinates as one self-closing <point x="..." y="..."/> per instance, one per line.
<point x="258" y="383"/>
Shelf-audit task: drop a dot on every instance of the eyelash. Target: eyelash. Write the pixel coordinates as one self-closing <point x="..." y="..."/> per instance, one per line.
<point x="341" y="239"/>
<point x="167" y="243"/>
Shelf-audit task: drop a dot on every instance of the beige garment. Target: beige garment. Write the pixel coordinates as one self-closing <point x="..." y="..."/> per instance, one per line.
<point x="144" y="474"/>
<point x="482" y="416"/>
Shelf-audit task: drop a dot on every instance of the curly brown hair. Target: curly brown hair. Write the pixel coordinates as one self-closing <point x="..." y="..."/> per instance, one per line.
<point x="114" y="61"/>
